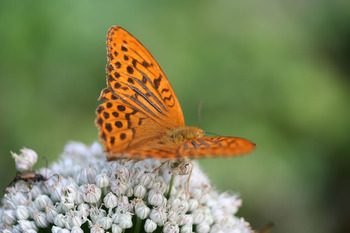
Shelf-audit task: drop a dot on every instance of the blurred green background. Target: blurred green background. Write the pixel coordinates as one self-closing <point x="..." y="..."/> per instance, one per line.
<point x="275" y="72"/>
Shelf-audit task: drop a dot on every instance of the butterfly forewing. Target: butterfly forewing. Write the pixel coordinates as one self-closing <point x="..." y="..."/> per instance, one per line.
<point x="135" y="78"/>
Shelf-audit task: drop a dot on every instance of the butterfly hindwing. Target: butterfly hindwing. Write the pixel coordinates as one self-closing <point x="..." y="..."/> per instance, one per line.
<point x="215" y="146"/>
<point x="195" y="148"/>
<point x="122" y="127"/>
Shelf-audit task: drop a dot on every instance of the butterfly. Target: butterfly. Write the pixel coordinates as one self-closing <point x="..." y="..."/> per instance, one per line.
<point x="141" y="117"/>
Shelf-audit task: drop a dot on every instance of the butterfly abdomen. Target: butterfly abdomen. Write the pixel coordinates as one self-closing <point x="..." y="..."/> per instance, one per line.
<point x="185" y="133"/>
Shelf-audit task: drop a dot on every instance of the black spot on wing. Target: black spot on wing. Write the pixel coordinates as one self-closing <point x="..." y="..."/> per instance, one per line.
<point x="111" y="140"/>
<point x="122" y="136"/>
<point x="106" y="115"/>
<point x="108" y="127"/>
<point x="130" y="70"/>
<point x="121" y="108"/>
<point x="118" y="124"/>
<point x="145" y="64"/>
<point x="157" y="81"/>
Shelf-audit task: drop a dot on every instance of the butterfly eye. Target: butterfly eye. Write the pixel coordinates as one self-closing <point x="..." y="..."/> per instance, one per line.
<point x="198" y="134"/>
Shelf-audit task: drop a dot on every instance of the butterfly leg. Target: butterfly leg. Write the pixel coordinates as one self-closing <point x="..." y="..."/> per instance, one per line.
<point x="188" y="179"/>
<point x="157" y="168"/>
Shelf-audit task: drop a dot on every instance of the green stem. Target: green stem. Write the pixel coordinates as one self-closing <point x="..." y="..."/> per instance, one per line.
<point x="138" y="225"/>
<point x="170" y="186"/>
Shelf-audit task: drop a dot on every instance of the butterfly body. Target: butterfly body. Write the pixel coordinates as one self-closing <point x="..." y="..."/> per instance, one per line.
<point x="141" y="116"/>
<point x="181" y="134"/>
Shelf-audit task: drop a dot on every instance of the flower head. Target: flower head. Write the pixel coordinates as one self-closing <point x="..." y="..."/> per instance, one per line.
<point x="84" y="193"/>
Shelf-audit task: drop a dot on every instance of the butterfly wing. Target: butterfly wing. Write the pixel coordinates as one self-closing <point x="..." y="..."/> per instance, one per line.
<point x="140" y="104"/>
<point x="196" y="148"/>
<point x="122" y="127"/>
<point x="135" y="78"/>
<point x="215" y="146"/>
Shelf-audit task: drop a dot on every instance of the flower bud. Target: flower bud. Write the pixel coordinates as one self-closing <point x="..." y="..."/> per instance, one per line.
<point x="76" y="230"/>
<point x="179" y="167"/>
<point x="25" y="225"/>
<point x="40" y="219"/>
<point x="55" y="229"/>
<point x="56" y="192"/>
<point x="92" y="194"/>
<point x="125" y="221"/>
<point x="123" y="201"/>
<point x="183" y="207"/>
<point x="171" y="228"/>
<point x="172" y="216"/>
<point x="116" y="218"/>
<point x="36" y="190"/>
<point x="105" y="222"/>
<point x="116" y="228"/>
<point x="96" y="148"/>
<point x="22" y="212"/>
<point x="141" y="210"/>
<point x="150" y="226"/>
<point x="9" y="217"/>
<point x="186" y="229"/>
<point x="51" y="213"/>
<point x="110" y="200"/>
<point x="155" y="198"/>
<point x="129" y="191"/>
<point x="84" y="209"/>
<point x="192" y="204"/>
<point x="102" y="180"/>
<point x="42" y="201"/>
<point x="186" y="220"/>
<point x="146" y="180"/>
<point x="96" y="214"/>
<point x="31" y="231"/>
<point x="26" y="160"/>
<point x="66" y="205"/>
<point x="119" y="188"/>
<point x="16" y="229"/>
<point x="198" y="216"/>
<point x="77" y="219"/>
<point x="158" y="215"/>
<point x="75" y="148"/>
<point x="139" y="191"/>
<point x="87" y="175"/>
<point x="202" y="227"/>
<point x="19" y="198"/>
<point x="60" y="220"/>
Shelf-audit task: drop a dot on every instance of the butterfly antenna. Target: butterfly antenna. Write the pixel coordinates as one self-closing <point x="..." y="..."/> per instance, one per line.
<point x="215" y="134"/>
<point x="267" y="228"/>
<point x="200" y="106"/>
<point x="46" y="161"/>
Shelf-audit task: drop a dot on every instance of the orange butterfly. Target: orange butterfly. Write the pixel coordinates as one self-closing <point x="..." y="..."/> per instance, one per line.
<point x="141" y="116"/>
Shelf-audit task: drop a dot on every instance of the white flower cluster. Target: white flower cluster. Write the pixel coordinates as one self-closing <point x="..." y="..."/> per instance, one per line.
<point x="84" y="193"/>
